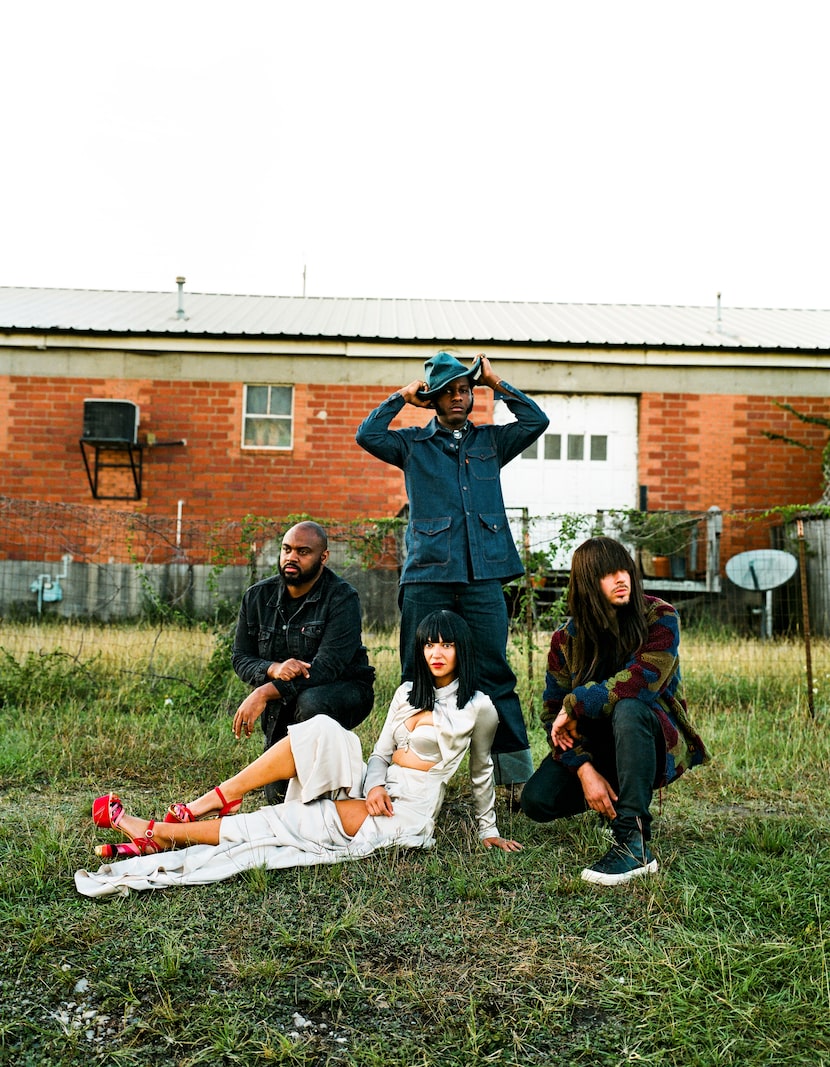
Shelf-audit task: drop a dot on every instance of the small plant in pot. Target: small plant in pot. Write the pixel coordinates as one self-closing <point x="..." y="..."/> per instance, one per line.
<point x="537" y="567"/>
<point x="659" y="539"/>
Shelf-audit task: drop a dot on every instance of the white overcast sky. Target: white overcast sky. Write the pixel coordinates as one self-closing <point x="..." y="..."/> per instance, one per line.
<point x="613" y="152"/>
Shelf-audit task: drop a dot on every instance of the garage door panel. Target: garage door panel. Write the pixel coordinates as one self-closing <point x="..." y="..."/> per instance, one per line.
<point x="585" y="462"/>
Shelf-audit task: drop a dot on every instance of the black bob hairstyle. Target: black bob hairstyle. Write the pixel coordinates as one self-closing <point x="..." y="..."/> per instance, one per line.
<point x="443" y="626"/>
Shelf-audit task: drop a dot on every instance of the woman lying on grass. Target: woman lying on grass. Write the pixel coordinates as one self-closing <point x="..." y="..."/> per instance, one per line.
<point x="336" y="808"/>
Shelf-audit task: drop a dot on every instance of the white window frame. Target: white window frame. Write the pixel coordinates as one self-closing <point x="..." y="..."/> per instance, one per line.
<point x="536" y="451"/>
<point x="289" y="418"/>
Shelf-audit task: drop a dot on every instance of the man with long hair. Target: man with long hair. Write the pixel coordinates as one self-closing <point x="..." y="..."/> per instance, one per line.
<point x="613" y="708"/>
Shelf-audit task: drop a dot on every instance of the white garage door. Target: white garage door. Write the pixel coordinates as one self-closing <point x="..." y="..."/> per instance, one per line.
<point x="586" y="461"/>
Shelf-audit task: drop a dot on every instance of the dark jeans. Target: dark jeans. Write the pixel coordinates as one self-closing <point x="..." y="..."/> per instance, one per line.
<point x="482" y="606"/>
<point x="626" y="752"/>
<point x="346" y="702"/>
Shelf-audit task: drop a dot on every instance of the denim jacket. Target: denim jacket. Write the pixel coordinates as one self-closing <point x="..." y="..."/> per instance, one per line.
<point x="458" y="529"/>
<point x="325" y="631"/>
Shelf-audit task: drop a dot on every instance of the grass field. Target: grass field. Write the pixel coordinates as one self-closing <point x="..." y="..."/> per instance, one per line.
<point x="448" y="957"/>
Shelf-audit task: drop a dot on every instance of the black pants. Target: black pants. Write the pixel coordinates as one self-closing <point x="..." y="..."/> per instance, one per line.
<point x="627" y="751"/>
<point x="346" y="702"/>
<point x="481" y="604"/>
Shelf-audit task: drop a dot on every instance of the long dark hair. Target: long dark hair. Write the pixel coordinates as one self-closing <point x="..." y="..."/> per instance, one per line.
<point x="605" y="637"/>
<point x="443" y="626"/>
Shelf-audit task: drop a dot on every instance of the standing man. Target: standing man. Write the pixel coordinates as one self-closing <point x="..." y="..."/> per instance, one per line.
<point x="459" y="548"/>
<point x="614" y="709"/>
<point x="298" y="642"/>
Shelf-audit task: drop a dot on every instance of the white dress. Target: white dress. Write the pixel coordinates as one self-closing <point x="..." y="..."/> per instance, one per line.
<point x="306" y="828"/>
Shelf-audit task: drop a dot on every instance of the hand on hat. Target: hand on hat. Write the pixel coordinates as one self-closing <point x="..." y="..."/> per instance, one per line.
<point x="486" y="374"/>
<point x="441" y="371"/>
<point x="410" y="394"/>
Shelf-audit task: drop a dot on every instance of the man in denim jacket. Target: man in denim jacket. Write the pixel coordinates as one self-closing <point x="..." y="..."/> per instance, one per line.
<point x="298" y="642"/>
<point x="459" y="547"/>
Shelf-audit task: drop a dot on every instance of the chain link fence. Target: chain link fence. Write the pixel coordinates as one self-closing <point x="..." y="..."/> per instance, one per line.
<point x="763" y="573"/>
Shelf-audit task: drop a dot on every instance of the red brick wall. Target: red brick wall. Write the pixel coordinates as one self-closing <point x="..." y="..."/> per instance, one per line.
<point x="5" y="401"/>
<point x="696" y="451"/>
<point x="325" y="474"/>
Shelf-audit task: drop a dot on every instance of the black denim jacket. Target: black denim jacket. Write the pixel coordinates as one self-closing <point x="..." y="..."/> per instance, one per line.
<point x="324" y="631"/>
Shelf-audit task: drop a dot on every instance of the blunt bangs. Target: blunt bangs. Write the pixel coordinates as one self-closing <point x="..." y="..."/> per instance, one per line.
<point x="442" y="626"/>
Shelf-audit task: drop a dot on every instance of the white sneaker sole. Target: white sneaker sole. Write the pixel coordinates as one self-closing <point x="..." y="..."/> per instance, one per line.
<point x="598" y="878"/>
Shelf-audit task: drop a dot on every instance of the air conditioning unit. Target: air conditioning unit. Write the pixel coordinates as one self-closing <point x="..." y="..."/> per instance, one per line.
<point x="110" y="421"/>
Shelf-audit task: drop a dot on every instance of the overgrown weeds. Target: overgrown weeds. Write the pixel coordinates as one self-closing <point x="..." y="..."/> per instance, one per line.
<point x="453" y="956"/>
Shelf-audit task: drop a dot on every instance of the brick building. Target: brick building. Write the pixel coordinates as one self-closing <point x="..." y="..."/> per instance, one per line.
<point x="248" y="405"/>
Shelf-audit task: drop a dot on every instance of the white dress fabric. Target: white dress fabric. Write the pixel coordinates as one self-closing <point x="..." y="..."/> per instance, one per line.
<point x="306" y="829"/>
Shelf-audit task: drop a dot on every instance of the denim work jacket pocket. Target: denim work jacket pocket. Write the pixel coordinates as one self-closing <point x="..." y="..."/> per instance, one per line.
<point x="496" y="539"/>
<point x="432" y="541"/>
<point x="483" y="462"/>
<point x="311" y="634"/>
<point x="264" y="639"/>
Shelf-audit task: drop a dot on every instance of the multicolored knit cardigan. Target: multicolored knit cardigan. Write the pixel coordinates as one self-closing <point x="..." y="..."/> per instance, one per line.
<point x="651" y="675"/>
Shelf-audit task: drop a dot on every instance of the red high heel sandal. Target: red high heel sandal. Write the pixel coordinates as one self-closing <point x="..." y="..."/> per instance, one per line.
<point x="122" y="851"/>
<point x="107" y="812"/>
<point x="182" y="813"/>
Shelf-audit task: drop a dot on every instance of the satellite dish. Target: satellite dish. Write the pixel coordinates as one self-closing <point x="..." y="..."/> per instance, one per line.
<point x="761" y="569"/>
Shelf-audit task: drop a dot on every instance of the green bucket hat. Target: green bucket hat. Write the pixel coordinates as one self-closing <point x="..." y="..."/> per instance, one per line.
<point x="442" y="369"/>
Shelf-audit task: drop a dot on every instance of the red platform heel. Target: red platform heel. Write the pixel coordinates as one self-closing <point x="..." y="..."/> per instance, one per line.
<point x="123" y="851"/>
<point x="107" y="812"/>
<point x="179" y="813"/>
<point x="182" y="813"/>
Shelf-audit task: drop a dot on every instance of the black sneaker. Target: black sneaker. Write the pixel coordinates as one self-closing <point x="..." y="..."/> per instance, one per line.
<point x="622" y="862"/>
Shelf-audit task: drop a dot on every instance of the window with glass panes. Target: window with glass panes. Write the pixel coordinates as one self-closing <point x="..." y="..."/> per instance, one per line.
<point x="550" y="447"/>
<point x="268" y="416"/>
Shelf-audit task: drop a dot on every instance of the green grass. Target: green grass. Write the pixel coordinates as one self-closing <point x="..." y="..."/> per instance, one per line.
<point x="448" y="957"/>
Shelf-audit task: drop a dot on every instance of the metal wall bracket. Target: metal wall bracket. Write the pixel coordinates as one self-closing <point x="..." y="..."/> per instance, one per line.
<point x="130" y="458"/>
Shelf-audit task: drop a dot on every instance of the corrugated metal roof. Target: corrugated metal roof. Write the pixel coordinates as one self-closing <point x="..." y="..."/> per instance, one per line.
<point x="441" y="321"/>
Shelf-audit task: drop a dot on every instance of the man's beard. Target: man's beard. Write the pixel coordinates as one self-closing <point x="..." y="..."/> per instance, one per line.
<point x="301" y="578"/>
